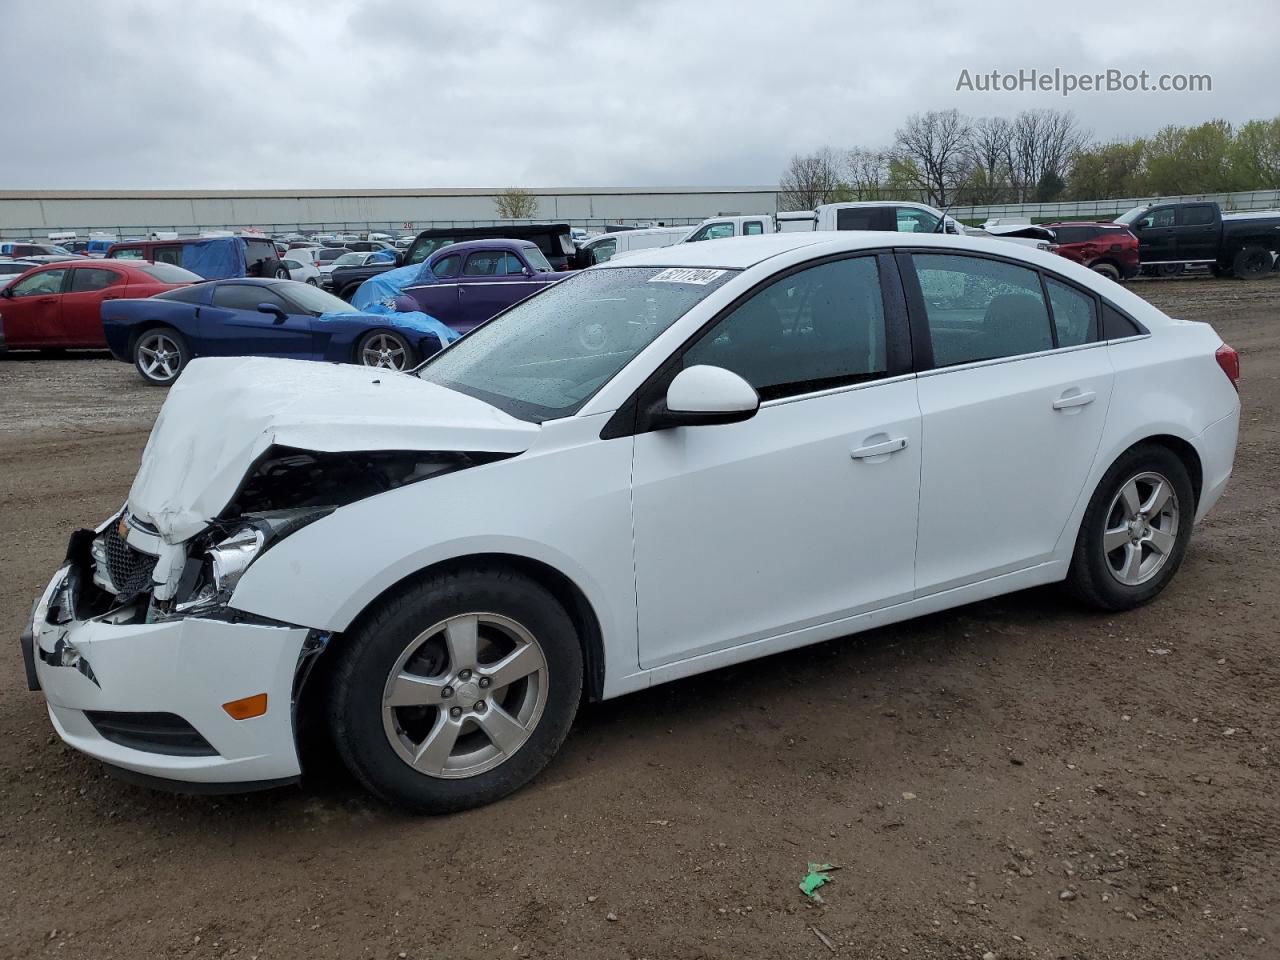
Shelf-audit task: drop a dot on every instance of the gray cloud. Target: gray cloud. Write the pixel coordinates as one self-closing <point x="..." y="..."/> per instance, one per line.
<point x="324" y="93"/>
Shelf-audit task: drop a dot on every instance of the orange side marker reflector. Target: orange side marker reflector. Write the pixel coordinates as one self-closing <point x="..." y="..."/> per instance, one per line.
<point x="247" y="707"/>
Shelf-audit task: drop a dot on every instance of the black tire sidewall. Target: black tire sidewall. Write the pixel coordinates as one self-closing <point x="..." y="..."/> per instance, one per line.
<point x="369" y="652"/>
<point x="1239" y="263"/>
<point x="1090" y="574"/>
<point x="410" y="354"/>
<point x="184" y="354"/>
<point x="1107" y="270"/>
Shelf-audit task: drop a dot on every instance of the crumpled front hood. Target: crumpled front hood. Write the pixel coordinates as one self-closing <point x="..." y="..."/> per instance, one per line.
<point x="224" y="412"/>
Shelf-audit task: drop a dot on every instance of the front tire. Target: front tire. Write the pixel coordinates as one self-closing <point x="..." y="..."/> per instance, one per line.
<point x="160" y="354"/>
<point x="457" y="690"/>
<point x="1135" y="530"/>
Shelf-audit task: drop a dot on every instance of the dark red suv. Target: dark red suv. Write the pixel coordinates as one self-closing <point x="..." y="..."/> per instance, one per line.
<point x="1108" y="248"/>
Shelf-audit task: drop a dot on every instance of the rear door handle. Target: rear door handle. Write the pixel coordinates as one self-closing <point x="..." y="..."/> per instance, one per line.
<point x="880" y="449"/>
<point x="1074" y="397"/>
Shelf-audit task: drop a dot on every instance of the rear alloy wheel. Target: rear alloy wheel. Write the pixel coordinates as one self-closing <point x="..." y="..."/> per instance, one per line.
<point x="160" y="355"/>
<point x="1251" y="262"/>
<point x="1107" y="270"/>
<point x="386" y="350"/>
<point x="466" y="709"/>
<point x="1135" y="530"/>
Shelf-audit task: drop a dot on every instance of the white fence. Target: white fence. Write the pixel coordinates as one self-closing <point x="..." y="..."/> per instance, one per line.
<point x="1107" y="209"/>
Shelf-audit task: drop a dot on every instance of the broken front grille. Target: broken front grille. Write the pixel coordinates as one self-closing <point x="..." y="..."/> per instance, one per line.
<point x="130" y="569"/>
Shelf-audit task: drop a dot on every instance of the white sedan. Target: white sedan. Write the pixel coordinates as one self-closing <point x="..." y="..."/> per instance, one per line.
<point x="712" y="452"/>
<point x="303" y="271"/>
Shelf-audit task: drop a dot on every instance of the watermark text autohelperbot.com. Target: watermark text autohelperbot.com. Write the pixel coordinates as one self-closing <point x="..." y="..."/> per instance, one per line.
<point x="1065" y="83"/>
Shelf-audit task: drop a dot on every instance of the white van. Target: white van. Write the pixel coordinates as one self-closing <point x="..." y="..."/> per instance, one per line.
<point x="606" y="246"/>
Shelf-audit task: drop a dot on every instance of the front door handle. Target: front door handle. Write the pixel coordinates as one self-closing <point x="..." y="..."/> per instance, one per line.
<point x="879" y="449"/>
<point x="1074" y="398"/>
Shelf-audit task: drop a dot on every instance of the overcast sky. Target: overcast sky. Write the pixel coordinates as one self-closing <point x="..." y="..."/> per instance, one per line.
<point x="401" y="93"/>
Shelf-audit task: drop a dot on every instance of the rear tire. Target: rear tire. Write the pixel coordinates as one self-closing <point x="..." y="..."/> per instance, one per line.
<point x="1251" y="262"/>
<point x="453" y="708"/>
<point x="387" y="350"/>
<point x="1135" y="530"/>
<point x="160" y="355"/>
<point x="1107" y="270"/>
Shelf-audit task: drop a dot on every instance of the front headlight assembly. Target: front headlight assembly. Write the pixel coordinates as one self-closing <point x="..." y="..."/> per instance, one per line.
<point x="211" y="578"/>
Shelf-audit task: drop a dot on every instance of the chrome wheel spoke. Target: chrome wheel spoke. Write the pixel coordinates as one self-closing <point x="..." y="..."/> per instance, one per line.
<point x="1160" y="495"/>
<point x="460" y="637"/>
<point x="1130" y="501"/>
<point x="410" y="690"/>
<point x="517" y="665"/>
<point x="502" y="729"/>
<point x="1161" y="542"/>
<point x="1115" y="538"/>
<point x="1129" y="573"/>
<point x="433" y="753"/>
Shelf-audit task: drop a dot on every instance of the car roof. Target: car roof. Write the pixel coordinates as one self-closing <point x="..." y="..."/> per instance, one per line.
<point x="739" y="253"/>
<point x="1082" y="223"/>
<point x="501" y="243"/>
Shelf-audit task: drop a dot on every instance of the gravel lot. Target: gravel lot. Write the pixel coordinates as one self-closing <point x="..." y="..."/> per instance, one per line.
<point x="1014" y="777"/>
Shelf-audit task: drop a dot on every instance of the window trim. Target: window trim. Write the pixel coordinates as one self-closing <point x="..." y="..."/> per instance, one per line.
<point x="266" y="288"/>
<point x="921" y="338"/>
<point x="630" y="420"/>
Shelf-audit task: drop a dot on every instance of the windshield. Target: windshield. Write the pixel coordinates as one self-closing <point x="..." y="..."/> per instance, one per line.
<point x="1131" y="217"/>
<point x="547" y="355"/>
<point x="312" y="299"/>
<point x="427" y="246"/>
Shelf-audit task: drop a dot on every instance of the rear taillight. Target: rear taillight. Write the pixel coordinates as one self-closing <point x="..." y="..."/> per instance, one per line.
<point x="1229" y="361"/>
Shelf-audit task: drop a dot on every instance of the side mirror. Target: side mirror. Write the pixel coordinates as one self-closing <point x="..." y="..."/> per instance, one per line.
<point x="399" y="259"/>
<point x="527" y="271"/>
<point x="7" y="292"/>
<point x="705" y="395"/>
<point x="273" y="310"/>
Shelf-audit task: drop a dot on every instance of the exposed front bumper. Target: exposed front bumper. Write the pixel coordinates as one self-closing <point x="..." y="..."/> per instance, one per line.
<point x="185" y="667"/>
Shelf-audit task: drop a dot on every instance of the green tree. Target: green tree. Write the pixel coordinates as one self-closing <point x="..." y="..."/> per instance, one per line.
<point x="1255" y="155"/>
<point x="1108" y="170"/>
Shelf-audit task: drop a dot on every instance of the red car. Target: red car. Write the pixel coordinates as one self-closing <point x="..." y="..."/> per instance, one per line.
<point x="1109" y="248"/>
<point x="59" y="304"/>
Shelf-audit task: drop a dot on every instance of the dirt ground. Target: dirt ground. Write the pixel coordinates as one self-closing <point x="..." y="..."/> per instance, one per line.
<point x="1015" y="777"/>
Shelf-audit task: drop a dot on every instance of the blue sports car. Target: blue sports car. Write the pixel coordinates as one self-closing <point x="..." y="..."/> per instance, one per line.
<point x="248" y="316"/>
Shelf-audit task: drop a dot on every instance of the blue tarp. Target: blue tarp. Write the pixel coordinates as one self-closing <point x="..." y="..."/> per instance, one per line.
<point x="214" y="258"/>
<point x="383" y="288"/>
<point x="382" y="256"/>
<point x="378" y="294"/>
<point x="416" y="321"/>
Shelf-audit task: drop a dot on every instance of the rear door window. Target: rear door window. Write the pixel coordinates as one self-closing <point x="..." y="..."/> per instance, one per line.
<point x="171" y="255"/>
<point x="1075" y="314"/>
<point x="88" y="279"/>
<point x="1196" y="215"/>
<point x="865" y="218"/>
<point x="752" y="228"/>
<point x="980" y="309"/>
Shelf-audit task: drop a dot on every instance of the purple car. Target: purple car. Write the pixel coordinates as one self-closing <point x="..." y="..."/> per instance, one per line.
<point x="479" y="278"/>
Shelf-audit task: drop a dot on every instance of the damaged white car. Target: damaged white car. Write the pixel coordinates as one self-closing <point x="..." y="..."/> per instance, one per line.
<point x="659" y="466"/>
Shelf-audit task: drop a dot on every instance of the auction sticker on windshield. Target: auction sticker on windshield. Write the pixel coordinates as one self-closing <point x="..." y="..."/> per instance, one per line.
<point x="686" y="275"/>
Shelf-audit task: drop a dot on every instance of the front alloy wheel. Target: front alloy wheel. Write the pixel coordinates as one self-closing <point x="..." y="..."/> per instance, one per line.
<point x="464" y="695"/>
<point x="469" y="707"/>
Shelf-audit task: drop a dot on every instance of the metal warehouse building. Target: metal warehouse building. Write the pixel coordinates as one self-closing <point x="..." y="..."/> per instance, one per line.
<point x="35" y="213"/>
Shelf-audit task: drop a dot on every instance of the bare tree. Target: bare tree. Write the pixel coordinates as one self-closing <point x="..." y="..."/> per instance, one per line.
<point x="867" y="171"/>
<point x="937" y="143"/>
<point x="989" y="155"/>
<point x="516" y="204"/>
<point x="1041" y="148"/>
<point x="809" y="180"/>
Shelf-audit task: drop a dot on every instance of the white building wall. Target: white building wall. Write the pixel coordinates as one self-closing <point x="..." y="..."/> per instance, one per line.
<point x="38" y="212"/>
